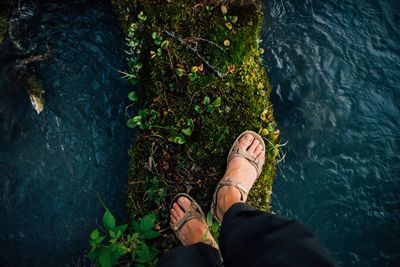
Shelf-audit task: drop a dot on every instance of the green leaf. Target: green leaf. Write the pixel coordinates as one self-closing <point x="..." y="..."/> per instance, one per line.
<point x="121" y="228"/>
<point x="180" y="72"/>
<point x="133" y="81"/>
<point x="118" y="250"/>
<point x="190" y="123"/>
<point x="151" y="234"/>
<point x="206" y="100"/>
<point x="165" y="44"/>
<point x="187" y="131"/>
<point x="159" y="52"/>
<point x="209" y="219"/>
<point x="112" y="234"/>
<point x="154" y="35"/>
<point x="210" y="109"/>
<point x="198" y="109"/>
<point x="108" y="220"/>
<point x="270" y="127"/>
<point x="94" y="234"/>
<point x="133" y="96"/>
<point x="94" y="254"/>
<point x="193" y="76"/>
<point x="217" y="102"/>
<point x="135" y="121"/>
<point x="142" y="16"/>
<point x="157" y="41"/>
<point x="143" y="252"/>
<point x="179" y="139"/>
<point x="133" y="237"/>
<point x="106" y="258"/>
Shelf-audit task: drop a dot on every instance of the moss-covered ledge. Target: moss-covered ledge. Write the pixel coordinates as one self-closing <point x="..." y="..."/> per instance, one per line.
<point x="202" y="83"/>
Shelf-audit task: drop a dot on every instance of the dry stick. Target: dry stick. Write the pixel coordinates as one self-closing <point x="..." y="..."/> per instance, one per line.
<point x="183" y="42"/>
<point x="206" y="40"/>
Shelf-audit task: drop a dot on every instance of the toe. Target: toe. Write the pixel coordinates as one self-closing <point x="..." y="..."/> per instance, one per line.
<point x="258" y="153"/>
<point x="173" y="219"/>
<point x="253" y="146"/>
<point x="174" y="214"/>
<point x="178" y="210"/>
<point x="245" y="141"/>
<point x="184" y="203"/>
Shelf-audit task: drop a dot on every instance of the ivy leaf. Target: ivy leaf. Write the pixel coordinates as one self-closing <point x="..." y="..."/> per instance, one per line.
<point x="206" y="100"/>
<point x="217" y="102"/>
<point x="108" y="220"/>
<point x="187" y="131"/>
<point x="133" y="96"/>
<point x="180" y="72"/>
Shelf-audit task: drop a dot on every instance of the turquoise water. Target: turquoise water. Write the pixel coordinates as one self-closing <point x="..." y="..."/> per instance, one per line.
<point x="334" y="67"/>
<point x="56" y="165"/>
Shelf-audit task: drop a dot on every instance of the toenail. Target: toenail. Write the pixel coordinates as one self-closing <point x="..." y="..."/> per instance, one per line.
<point x="180" y="200"/>
<point x="248" y="137"/>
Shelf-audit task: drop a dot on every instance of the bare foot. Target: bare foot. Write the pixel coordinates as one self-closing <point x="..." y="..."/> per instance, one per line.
<point x="193" y="231"/>
<point x="239" y="169"/>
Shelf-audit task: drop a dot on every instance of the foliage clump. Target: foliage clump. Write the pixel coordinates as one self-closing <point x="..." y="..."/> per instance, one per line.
<point x="202" y="83"/>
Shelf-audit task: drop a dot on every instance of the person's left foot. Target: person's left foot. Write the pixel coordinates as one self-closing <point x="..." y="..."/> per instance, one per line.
<point x="194" y="230"/>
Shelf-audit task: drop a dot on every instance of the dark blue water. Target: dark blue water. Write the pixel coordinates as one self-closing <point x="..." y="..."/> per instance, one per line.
<point x="58" y="162"/>
<point x="335" y="71"/>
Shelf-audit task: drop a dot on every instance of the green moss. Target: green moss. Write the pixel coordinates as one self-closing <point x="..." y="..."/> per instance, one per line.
<point x="196" y="35"/>
<point x="3" y="26"/>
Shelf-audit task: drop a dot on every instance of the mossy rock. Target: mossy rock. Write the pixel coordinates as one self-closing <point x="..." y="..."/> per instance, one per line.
<point x="202" y="84"/>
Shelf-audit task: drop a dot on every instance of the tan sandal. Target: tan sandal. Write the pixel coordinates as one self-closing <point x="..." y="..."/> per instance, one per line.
<point x="194" y="212"/>
<point x="236" y="151"/>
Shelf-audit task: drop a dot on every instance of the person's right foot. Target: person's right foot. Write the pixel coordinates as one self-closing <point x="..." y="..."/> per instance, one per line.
<point x="239" y="169"/>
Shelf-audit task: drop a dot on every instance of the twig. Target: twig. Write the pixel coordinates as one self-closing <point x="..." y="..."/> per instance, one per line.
<point x="206" y="40"/>
<point x="183" y="42"/>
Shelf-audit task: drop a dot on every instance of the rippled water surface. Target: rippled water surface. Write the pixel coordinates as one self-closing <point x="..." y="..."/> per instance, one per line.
<point x="58" y="164"/>
<point x="335" y="70"/>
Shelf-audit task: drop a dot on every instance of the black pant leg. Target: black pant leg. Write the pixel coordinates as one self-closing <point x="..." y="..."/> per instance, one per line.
<point x="253" y="238"/>
<point x="197" y="255"/>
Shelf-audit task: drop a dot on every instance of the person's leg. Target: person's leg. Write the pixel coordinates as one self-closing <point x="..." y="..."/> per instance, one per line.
<point x="199" y="247"/>
<point x="197" y="255"/>
<point x="254" y="238"/>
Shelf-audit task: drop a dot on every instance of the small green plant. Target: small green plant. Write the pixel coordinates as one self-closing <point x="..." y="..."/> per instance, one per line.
<point x="209" y="107"/>
<point x="213" y="226"/>
<point x="129" y="242"/>
<point x="156" y="190"/>
<point x="145" y="119"/>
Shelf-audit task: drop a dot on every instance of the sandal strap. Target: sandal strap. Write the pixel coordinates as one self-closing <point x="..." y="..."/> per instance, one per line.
<point x="228" y="181"/>
<point x="238" y="152"/>
<point x="189" y="215"/>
